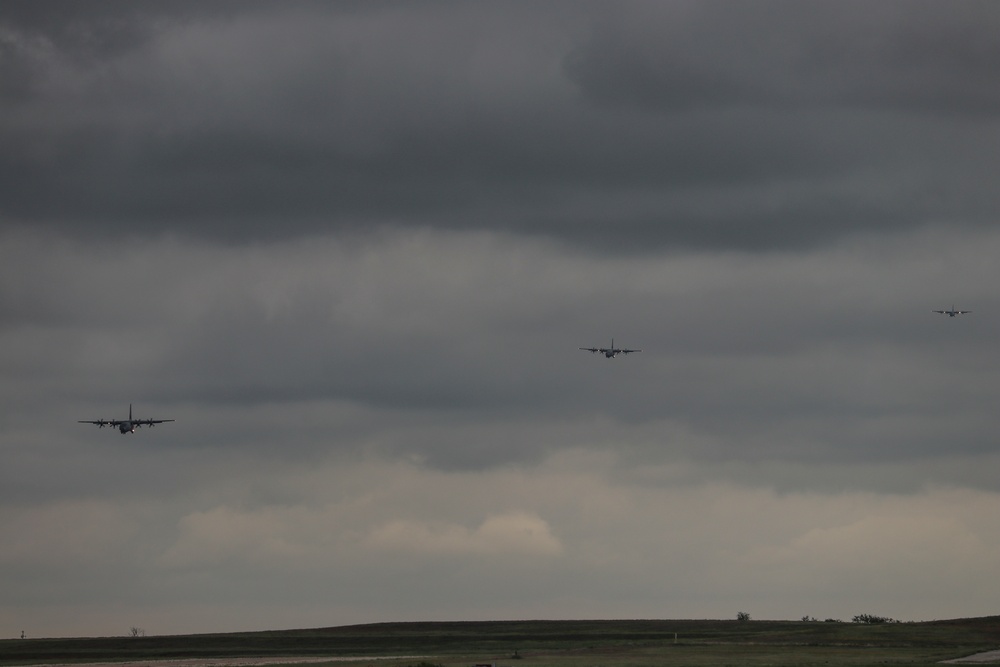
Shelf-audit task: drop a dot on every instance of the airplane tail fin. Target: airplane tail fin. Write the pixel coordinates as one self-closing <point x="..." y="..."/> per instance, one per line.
<point x="130" y="412"/>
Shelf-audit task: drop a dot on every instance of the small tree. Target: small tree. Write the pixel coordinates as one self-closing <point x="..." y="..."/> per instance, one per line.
<point x="136" y="632"/>
<point x="742" y="616"/>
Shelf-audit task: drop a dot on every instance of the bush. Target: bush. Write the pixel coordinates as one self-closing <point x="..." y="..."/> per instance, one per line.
<point x="742" y="616"/>
<point x="871" y="619"/>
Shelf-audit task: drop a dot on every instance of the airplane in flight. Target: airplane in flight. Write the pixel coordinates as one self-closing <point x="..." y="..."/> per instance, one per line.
<point x="610" y="352"/>
<point x="952" y="312"/>
<point x="126" y="425"/>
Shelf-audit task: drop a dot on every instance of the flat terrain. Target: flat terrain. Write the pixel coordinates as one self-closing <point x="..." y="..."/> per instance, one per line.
<point x="640" y="643"/>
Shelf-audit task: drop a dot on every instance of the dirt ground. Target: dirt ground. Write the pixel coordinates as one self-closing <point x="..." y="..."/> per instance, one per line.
<point x="230" y="662"/>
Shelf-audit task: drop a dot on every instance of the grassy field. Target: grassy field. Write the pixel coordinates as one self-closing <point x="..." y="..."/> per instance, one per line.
<point x="638" y="643"/>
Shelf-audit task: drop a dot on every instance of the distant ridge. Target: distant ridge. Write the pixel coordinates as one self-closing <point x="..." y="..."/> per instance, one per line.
<point x="498" y="640"/>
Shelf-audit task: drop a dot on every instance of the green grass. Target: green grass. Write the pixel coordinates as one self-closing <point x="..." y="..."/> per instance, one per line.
<point x="641" y="643"/>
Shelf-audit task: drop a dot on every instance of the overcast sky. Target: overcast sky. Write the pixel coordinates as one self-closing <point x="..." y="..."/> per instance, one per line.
<point x="353" y="249"/>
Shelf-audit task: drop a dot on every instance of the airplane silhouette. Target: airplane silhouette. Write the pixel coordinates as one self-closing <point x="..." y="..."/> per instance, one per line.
<point x="952" y="312"/>
<point x="126" y="425"/>
<point x="610" y="352"/>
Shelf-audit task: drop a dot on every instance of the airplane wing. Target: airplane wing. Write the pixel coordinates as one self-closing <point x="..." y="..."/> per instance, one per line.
<point x="100" y="422"/>
<point x="939" y="311"/>
<point x="592" y="349"/>
<point x="629" y="351"/>
<point x="150" y="422"/>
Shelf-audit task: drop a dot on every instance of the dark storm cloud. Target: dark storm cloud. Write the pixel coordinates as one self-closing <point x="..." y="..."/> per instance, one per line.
<point x="636" y="125"/>
<point x="910" y="57"/>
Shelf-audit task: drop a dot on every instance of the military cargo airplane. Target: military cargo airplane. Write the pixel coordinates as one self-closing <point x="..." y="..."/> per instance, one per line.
<point x="610" y="352"/>
<point x="126" y="425"/>
<point x="952" y="312"/>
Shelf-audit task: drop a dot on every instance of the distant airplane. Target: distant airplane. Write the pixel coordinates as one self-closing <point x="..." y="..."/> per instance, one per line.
<point x="952" y="312"/>
<point x="126" y="425"/>
<point x="610" y="352"/>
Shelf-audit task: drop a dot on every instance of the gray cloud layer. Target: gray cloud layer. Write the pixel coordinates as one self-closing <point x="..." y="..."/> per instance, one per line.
<point x="706" y="124"/>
